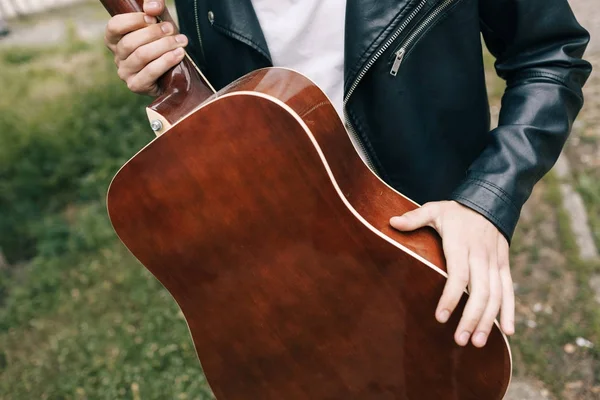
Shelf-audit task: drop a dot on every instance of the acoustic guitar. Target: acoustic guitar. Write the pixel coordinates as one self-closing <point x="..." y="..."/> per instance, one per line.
<point x="257" y="214"/>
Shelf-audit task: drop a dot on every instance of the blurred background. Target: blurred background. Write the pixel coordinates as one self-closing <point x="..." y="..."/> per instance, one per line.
<point x="81" y="319"/>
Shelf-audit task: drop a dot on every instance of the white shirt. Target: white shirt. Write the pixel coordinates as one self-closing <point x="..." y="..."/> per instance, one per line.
<point x="307" y="36"/>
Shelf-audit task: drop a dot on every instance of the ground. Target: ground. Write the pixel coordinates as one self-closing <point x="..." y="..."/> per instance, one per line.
<point x="553" y="257"/>
<point x="556" y="274"/>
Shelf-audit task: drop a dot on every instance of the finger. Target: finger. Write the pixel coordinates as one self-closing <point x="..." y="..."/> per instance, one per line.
<point x="146" y="54"/>
<point x="458" y="277"/>
<point x="154" y="8"/>
<point x="122" y="24"/>
<point x="145" y="80"/>
<point x="478" y="299"/>
<point x="508" y="292"/>
<point x="422" y="216"/>
<point x="136" y="39"/>
<point x="482" y="332"/>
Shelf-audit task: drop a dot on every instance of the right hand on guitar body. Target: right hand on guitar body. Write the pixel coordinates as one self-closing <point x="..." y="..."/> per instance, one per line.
<point x="144" y="49"/>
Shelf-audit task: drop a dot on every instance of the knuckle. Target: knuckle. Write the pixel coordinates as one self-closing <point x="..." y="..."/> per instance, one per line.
<point x="461" y="278"/>
<point x="164" y="44"/>
<point x="479" y="265"/>
<point x="165" y="60"/>
<point x="430" y="211"/>
<point x="122" y="75"/>
<point x="455" y="250"/>
<point x="171" y="58"/>
<point x="481" y="292"/>
<point x="154" y="31"/>
<point x="112" y="27"/>
<point x="472" y="321"/>
<point x="503" y="263"/>
<point x="477" y="259"/>
<point x="133" y="85"/>
<point x="173" y="42"/>
<point x="157" y="31"/>
<point x="140" y="56"/>
<point x="462" y="281"/>
<point x="124" y="47"/>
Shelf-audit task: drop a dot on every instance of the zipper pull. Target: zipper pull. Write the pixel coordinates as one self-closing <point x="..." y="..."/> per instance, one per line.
<point x="397" y="61"/>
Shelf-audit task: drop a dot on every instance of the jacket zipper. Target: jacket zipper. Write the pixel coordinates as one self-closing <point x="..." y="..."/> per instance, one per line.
<point x="198" y="30"/>
<point x="400" y="53"/>
<point x="364" y="71"/>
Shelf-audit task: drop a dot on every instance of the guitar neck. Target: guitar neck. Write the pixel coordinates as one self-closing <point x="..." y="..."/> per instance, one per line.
<point x="183" y="88"/>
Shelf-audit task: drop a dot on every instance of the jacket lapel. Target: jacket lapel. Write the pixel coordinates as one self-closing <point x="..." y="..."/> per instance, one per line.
<point x="236" y="18"/>
<point x="368" y="24"/>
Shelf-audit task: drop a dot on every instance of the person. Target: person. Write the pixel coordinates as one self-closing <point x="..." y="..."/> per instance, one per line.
<point x="407" y="78"/>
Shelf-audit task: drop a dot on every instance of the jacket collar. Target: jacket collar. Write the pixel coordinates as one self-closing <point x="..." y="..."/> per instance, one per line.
<point x="368" y="24"/>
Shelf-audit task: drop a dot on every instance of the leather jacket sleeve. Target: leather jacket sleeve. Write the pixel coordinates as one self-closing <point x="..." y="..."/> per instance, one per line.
<point x="538" y="45"/>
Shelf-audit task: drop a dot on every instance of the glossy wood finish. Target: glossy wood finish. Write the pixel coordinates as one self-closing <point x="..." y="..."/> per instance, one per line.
<point x="184" y="91"/>
<point x="183" y="88"/>
<point x="287" y="292"/>
<point x="371" y="197"/>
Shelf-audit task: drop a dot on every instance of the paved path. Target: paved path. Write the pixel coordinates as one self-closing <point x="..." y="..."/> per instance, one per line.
<point x="88" y="19"/>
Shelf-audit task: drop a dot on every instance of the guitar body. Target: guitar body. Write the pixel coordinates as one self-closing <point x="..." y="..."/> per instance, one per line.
<point x="272" y="235"/>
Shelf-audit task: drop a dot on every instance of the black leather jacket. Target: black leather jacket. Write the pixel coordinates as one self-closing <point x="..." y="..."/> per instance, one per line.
<point x="415" y="89"/>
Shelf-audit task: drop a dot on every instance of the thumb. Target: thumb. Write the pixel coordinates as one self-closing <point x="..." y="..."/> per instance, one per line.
<point x="422" y="216"/>
<point x="154" y="8"/>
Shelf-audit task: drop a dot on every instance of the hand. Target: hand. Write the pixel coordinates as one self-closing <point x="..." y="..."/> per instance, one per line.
<point x="476" y="257"/>
<point x="144" y="49"/>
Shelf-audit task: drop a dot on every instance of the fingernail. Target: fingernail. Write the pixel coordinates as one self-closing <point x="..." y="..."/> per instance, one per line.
<point x="178" y="51"/>
<point x="443" y="316"/>
<point x="153" y="5"/>
<point x="480" y="339"/>
<point x="463" y="338"/>
<point x="166" y="27"/>
<point x="149" y="19"/>
<point x="181" y="38"/>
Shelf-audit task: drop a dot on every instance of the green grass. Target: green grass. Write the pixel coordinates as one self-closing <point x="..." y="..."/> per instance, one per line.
<point x="60" y="148"/>
<point x="80" y="318"/>
<point x="95" y="326"/>
<point x="539" y="352"/>
<point x="588" y="186"/>
<point x="541" y="349"/>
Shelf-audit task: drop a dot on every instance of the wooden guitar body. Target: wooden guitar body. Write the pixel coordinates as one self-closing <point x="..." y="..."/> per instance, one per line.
<point x="272" y="235"/>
